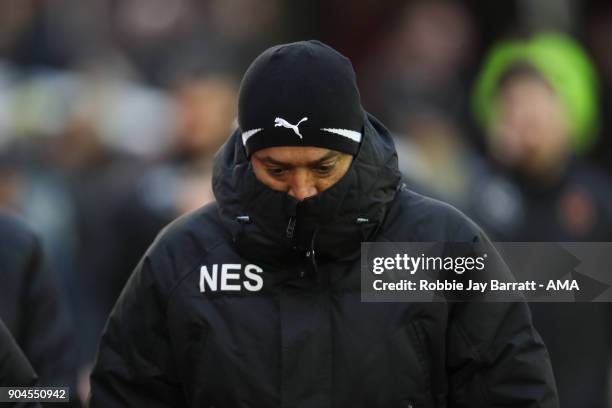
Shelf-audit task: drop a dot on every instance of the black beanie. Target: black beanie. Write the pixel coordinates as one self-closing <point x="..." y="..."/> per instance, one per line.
<point x="300" y="94"/>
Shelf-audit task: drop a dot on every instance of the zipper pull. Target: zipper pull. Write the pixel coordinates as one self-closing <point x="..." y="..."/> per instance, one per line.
<point x="243" y="219"/>
<point x="291" y="227"/>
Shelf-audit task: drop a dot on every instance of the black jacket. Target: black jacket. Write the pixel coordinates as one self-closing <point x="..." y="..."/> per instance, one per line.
<point x="32" y="306"/>
<point x="305" y="339"/>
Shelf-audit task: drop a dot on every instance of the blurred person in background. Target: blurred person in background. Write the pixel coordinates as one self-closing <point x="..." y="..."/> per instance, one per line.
<point x="112" y="133"/>
<point x="179" y="180"/>
<point x="417" y="82"/>
<point x="33" y="307"/>
<point x="537" y="100"/>
<point x="205" y="114"/>
<point x="422" y="63"/>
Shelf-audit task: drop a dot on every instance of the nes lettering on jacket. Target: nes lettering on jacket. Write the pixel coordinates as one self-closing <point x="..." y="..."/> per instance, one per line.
<point x="231" y="277"/>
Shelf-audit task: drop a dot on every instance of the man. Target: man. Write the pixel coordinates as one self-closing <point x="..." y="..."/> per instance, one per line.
<point x="36" y="345"/>
<point x="255" y="300"/>
<point x="32" y="307"/>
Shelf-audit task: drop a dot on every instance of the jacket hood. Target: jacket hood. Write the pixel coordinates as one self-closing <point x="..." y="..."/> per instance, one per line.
<point x="272" y="227"/>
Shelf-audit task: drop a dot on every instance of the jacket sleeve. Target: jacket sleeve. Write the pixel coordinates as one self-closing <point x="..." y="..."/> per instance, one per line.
<point x="497" y="359"/>
<point x="134" y="365"/>
<point x="495" y="356"/>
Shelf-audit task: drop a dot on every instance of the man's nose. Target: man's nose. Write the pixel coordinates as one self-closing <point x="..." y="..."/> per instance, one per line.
<point x="302" y="185"/>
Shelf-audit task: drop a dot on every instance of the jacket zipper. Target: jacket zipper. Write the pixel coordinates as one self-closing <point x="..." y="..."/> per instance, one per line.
<point x="292" y="219"/>
<point x="291" y="227"/>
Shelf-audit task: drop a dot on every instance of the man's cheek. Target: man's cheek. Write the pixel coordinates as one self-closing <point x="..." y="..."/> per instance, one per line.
<point x="326" y="183"/>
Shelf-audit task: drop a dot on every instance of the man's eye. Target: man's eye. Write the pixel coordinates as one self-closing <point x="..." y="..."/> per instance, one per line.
<point x="276" y="171"/>
<point x="325" y="168"/>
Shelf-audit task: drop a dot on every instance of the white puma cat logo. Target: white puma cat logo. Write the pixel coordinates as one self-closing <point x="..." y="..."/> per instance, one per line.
<point x="282" y="122"/>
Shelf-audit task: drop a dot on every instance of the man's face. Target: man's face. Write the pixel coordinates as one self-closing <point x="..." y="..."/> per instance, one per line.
<point x="301" y="172"/>
<point x="532" y="132"/>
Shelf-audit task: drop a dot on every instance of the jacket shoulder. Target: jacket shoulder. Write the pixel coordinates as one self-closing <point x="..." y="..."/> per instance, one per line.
<point x="200" y="229"/>
<point x="415" y="217"/>
<point x="182" y="245"/>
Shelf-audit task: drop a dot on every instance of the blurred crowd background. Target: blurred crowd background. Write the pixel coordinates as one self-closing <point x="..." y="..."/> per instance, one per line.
<point x="111" y="110"/>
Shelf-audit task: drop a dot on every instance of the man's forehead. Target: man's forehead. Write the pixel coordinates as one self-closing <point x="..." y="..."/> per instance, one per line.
<point x="296" y="155"/>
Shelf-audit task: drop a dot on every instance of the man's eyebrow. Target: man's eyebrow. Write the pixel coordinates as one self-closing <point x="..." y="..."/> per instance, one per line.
<point x="324" y="158"/>
<point x="269" y="160"/>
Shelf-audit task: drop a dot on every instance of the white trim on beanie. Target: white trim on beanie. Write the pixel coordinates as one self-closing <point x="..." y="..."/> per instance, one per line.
<point x="351" y="134"/>
<point x="246" y="135"/>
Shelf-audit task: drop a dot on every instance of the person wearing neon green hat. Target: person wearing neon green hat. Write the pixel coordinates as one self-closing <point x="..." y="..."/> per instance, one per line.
<point x="562" y="64"/>
<point x="536" y="101"/>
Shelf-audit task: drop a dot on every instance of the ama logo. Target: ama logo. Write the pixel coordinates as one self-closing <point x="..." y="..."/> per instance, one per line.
<point x="231" y="278"/>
